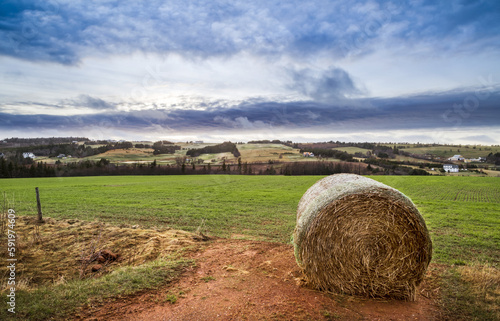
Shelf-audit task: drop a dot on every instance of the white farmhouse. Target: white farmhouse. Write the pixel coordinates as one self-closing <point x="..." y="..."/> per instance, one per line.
<point x="30" y="155"/>
<point x="456" y="158"/>
<point x="450" y="168"/>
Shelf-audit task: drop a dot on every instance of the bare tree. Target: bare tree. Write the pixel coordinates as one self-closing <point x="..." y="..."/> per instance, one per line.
<point x="180" y="160"/>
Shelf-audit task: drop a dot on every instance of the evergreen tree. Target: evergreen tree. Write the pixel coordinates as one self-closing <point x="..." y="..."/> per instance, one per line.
<point x="10" y="169"/>
<point x="32" y="172"/>
<point x="3" y="167"/>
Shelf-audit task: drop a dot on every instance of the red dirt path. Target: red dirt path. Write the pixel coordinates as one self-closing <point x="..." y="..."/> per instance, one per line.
<point x="250" y="280"/>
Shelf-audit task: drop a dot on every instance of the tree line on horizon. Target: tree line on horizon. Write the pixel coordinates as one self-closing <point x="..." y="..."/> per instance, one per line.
<point x="13" y="164"/>
<point x="104" y="167"/>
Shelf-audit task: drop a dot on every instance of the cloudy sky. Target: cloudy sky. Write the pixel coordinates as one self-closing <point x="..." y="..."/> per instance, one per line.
<point x="240" y="70"/>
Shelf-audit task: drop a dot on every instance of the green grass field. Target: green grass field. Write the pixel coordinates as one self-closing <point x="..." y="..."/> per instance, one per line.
<point x="462" y="213"/>
<point x="467" y="151"/>
<point x="352" y="150"/>
<point x="258" y="206"/>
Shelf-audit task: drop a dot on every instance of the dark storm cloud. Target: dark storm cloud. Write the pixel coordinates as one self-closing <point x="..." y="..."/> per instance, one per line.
<point x="89" y="102"/>
<point x="82" y="101"/>
<point x="447" y="110"/>
<point x="329" y="86"/>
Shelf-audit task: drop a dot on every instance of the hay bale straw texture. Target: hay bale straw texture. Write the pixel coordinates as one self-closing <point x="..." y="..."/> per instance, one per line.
<point x="357" y="236"/>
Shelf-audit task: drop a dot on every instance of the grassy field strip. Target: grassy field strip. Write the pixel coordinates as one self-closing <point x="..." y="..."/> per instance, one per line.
<point x="463" y="213"/>
<point x="258" y="207"/>
<point x="464" y="228"/>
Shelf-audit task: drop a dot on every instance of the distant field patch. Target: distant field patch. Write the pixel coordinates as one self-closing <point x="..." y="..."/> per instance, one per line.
<point x="401" y="158"/>
<point x="136" y="155"/>
<point x="194" y="145"/>
<point x="445" y="151"/>
<point x="125" y="154"/>
<point x="259" y="153"/>
<point x="352" y="150"/>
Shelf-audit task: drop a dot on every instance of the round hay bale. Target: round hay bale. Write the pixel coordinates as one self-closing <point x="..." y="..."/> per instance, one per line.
<point x="360" y="237"/>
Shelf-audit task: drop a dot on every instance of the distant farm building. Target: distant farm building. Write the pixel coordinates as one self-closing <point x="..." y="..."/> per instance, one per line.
<point x="61" y="156"/>
<point x="28" y="155"/>
<point x="450" y="168"/>
<point x="308" y="154"/>
<point x="1" y="155"/>
<point x="456" y="158"/>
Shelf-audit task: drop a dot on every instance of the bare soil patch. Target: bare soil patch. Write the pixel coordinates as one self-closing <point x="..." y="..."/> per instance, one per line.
<point x="252" y="280"/>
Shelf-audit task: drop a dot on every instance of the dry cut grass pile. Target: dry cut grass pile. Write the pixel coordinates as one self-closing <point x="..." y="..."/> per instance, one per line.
<point x="60" y="250"/>
<point x="357" y="236"/>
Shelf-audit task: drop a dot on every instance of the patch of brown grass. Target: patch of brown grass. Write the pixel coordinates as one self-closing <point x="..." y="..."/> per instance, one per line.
<point x="130" y="151"/>
<point x="484" y="282"/>
<point x="53" y="252"/>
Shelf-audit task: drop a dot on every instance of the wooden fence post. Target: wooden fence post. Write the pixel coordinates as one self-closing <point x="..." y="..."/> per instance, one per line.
<point x="39" y="205"/>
